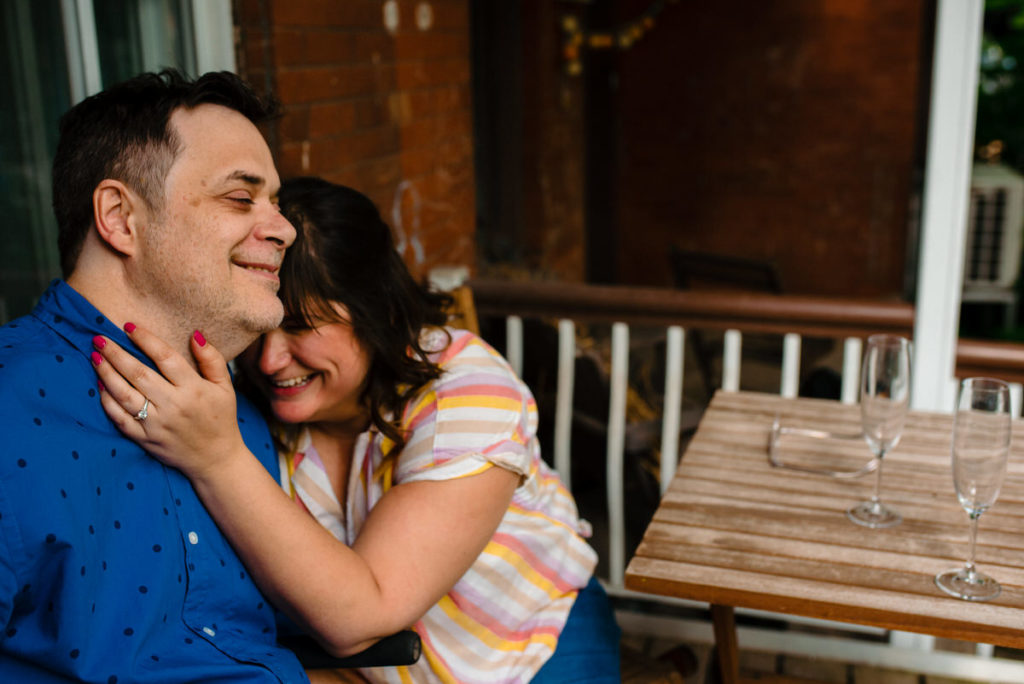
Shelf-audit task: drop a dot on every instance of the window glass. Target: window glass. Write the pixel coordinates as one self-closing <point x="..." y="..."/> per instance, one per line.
<point x="143" y="35"/>
<point x="33" y="77"/>
<point x="132" y="36"/>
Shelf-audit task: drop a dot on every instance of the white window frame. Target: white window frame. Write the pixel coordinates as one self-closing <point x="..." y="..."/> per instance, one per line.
<point x="212" y="33"/>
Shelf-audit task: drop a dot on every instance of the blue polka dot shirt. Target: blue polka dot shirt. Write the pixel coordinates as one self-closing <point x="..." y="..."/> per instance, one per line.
<point x="111" y="570"/>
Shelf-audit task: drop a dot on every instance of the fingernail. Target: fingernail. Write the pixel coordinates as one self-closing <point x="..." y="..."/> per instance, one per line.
<point x="198" y="337"/>
<point x="129" y="327"/>
<point x="99" y="342"/>
<point x="99" y="383"/>
<point x="96" y="358"/>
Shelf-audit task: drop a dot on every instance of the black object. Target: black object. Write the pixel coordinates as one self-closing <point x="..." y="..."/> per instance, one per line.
<point x="708" y="271"/>
<point x="401" y="648"/>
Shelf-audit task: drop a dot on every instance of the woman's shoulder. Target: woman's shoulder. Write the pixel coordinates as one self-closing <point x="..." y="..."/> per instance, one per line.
<point x="468" y="364"/>
<point x="473" y="376"/>
<point x="455" y="349"/>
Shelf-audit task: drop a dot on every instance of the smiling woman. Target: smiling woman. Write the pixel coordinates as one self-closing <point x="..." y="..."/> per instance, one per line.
<point x="403" y="444"/>
<point x="312" y="375"/>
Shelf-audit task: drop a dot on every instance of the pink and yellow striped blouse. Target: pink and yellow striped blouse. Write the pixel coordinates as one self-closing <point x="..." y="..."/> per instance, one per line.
<point x="501" y="620"/>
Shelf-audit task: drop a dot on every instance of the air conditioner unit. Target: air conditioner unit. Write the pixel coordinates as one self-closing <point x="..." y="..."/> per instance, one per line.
<point x="994" y="225"/>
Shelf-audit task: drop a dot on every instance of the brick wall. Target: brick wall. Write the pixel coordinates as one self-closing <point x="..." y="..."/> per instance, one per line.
<point x="790" y="134"/>
<point x="786" y="131"/>
<point x="383" y="109"/>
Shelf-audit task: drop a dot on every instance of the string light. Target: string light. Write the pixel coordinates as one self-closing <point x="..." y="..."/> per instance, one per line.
<point x="623" y="37"/>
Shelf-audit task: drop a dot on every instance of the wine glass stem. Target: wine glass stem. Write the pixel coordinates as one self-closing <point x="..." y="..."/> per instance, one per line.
<point x="969" y="568"/>
<point x="878" y="477"/>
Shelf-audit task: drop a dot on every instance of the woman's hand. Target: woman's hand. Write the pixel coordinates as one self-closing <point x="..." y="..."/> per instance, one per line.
<point x="190" y="420"/>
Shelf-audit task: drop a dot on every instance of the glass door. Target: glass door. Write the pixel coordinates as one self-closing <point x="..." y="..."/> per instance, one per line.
<point x="55" y="53"/>
<point x="34" y="88"/>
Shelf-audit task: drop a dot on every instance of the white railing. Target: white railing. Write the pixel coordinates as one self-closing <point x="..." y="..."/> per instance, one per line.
<point x="793" y="319"/>
<point x="564" y="304"/>
<point x="618" y="384"/>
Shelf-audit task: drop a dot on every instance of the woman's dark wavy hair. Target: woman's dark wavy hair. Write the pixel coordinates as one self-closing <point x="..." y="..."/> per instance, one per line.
<point x="344" y="253"/>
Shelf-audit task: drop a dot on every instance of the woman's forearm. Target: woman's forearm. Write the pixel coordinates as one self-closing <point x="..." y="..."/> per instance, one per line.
<point x="416" y="543"/>
<point x="316" y="580"/>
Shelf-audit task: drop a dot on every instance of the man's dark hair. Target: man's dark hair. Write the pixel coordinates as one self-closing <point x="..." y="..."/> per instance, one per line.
<point x="123" y="133"/>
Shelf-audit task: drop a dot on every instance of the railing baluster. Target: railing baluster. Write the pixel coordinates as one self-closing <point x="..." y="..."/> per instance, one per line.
<point x="514" y="343"/>
<point x="851" y="370"/>
<point x="563" y="399"/>
<point x="673" y="404"/>
<point x="732" y="348"/>
<point x="616" y="446"/>
<point x="790" y="385"/>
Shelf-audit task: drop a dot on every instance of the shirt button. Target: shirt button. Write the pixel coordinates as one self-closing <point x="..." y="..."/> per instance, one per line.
<point x="209" y="631"/>
<point x="193" y="538"/>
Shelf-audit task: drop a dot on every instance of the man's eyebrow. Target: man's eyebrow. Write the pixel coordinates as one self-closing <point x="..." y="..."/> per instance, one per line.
<point x="246" y="177"/>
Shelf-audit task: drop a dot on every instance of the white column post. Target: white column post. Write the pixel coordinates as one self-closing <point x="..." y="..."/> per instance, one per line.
<point x="946" y="194"/>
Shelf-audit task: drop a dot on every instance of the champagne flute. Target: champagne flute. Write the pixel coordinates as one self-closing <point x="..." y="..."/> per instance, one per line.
<point x="884" y="400"/>
<point x="981" y="443"/>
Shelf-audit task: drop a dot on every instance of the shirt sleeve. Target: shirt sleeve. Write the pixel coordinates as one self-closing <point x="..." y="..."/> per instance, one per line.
<point x="477" y="414"/>
<point x="8" y="578"/>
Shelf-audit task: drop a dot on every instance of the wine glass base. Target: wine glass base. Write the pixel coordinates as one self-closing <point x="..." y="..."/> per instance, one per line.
<point x="969" y="586"/>
<point x="873" y="514"/>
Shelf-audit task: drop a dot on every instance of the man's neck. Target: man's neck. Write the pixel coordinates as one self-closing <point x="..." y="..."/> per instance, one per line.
<point x="121" y="303"/>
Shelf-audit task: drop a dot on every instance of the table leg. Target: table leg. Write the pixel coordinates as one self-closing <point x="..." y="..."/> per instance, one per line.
<point x="723" y="620"/>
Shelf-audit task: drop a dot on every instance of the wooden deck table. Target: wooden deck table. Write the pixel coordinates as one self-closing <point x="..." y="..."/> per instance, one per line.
<point x="734" y="531"/>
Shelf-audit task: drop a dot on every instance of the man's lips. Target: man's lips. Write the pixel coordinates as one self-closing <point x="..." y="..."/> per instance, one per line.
<point x="259" y="268"/>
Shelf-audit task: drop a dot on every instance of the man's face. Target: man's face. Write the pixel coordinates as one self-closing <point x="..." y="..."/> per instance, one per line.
<point x="211" y="256"/>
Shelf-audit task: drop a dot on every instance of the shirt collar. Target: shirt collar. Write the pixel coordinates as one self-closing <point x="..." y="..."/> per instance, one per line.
<point x="62" y="309"/>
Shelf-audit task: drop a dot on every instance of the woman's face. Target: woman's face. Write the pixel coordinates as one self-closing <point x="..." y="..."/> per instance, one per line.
<point x="311" y="375"/>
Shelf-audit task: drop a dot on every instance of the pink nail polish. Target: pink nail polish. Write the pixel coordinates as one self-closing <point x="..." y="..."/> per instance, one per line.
<point x="99" y="342"/>
<point x="96" y="358"/>
<point x="99" y="383"/>
<point x="198" y="337"/>
<point x="129" y="327"/>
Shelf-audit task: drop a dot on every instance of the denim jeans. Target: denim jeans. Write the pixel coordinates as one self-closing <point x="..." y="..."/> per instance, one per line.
<point x="588" y="647"/>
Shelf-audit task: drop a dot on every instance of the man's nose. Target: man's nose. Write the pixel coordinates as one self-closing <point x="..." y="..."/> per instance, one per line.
<point x="276" y="228"/>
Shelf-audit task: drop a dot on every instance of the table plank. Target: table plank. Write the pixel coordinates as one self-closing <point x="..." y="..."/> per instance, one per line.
<point x="984" y="623"/>
<point x="734" y="531"/>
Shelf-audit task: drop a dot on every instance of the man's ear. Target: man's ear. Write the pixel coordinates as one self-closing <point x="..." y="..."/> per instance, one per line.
<point x="117" y="213"/>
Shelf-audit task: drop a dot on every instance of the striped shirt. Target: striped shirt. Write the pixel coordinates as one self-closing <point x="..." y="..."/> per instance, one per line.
<point x="501" y="620"/>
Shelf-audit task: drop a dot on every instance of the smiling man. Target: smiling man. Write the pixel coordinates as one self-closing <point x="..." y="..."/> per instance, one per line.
<point x="111" y="570"/>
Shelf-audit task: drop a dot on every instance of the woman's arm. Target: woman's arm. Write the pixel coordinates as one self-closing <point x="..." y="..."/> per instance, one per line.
<point x="416" y="543"/>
